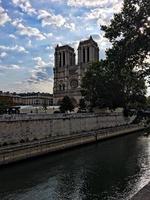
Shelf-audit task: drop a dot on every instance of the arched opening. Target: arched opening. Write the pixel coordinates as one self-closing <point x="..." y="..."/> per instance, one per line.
<point x="59" y="59"/>
<point x="59" y="87"/>
<point x="88" y="54"/>
<point x="64" y="61"/>
<point x="63" y="86"/>
<point x="83" y="55"/>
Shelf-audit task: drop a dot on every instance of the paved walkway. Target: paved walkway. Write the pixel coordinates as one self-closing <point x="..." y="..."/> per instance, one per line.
<point x="143" y="194"/>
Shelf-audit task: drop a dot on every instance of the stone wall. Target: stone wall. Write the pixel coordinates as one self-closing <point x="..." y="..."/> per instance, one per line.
<point x="16" y="129"/>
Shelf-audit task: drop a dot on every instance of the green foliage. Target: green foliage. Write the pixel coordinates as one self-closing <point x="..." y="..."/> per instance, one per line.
<point x="3" y="104"/>
<point x="102" y="87"/>
<point x="148" y="101"/>
<point x="82" y="105"/>
<point x="119" y="80"/>
<point x="44" y="105"/>
<point x="66" y="105"/>
<point x="129" y="33"/>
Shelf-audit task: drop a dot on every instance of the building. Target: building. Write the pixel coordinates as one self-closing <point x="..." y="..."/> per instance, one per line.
<point x="68" y="74"/>
<point x="37" y="99"/>
<point x="10" y="99"/>
<point x="34" y="99"/>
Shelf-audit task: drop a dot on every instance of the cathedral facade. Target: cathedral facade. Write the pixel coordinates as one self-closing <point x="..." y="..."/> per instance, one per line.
<point x="68" y="74"/>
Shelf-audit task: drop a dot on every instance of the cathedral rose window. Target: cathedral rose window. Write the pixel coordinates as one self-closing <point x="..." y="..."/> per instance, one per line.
<point x="74" y="83"/>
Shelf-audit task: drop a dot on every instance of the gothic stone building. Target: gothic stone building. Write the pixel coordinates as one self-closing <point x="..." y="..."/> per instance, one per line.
<point x="68" y="74"/>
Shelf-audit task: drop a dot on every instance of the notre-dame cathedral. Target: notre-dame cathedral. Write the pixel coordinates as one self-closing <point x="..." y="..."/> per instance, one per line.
<point x="68" y="74"/>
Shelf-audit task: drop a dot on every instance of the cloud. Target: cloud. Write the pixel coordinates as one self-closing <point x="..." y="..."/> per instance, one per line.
<point x="48" y="35"/>
<point x="14" y="48"/>
<point x="25" y="6"/>
<point x="29" y="43"/>
<point x="41" y="70"/>
<point x="49" y="18"/>
<point x="12" y="36"/>
<point x="4" y="68"/>
<point x="103" y="15"/>
<point x="39" y="62"/>
<point x="87" y="3"/>
<point x="42" y="86"/>
<point x="28" y="31"/>
<point x="3" y="54"/>
<point x="93" y="3"/>
<point x="4" y="18"/>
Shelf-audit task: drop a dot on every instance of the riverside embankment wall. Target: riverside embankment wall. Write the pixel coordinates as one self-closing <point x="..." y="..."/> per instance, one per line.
<point x="17" y="152"/>
<point x="16" y="129"/>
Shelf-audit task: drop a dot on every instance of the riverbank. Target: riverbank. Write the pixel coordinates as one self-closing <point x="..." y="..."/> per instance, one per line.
<point x="17" y="152"/>
<point x="143" y="194"/>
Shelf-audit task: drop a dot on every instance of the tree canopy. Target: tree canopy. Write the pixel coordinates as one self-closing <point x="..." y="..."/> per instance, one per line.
<point x="102" y="88"/>
<point x="129" y="33"/>
<point x="119" y="80"/>
<point x="66" y="105"/>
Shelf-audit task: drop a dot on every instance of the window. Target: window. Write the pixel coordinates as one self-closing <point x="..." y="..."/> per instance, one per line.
<point x="60" y="87"/>
<point x="83" y="55"/>
<point x="64" y="61"/>
<point x="59" y="59"/>
<point x="88" y="54"/>
<point x="63" y="86"/>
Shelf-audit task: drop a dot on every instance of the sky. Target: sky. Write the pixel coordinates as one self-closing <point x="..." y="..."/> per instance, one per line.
<point x="31" y="29"/>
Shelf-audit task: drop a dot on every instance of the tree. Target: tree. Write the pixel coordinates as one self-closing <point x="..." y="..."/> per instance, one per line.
<point x="5" y="103"/>
<point x="102" y="87"/>
<point x="82" y="104"/>
<point x="44" y="105"/>
<point x="66" y="105"/>
<point x="148" y="101"/>
<point x="119" y="79"/>
<point x="129" y="33"/>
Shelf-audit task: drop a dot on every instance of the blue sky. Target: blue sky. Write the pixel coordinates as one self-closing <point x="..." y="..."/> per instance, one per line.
<point x="30" y="30"/>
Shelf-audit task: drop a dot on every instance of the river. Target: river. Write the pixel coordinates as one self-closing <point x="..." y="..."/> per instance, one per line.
<point x="110" y="170"/>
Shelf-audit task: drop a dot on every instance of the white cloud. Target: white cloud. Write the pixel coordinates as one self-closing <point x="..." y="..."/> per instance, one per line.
<point x="14" y="48"/>
<point x="28" y="31"/>
<point x="12" y="36"/>
<point x="29" y="43"/>
<point x="9" y="67"/>
<point x="94" y="3"/>
<point x="103" y="15"/>
<point x="49" y="18"/>
<point x="87" y="3"/>
<point x="48" y="35"/>
<point x="3" y="54"/>
<point x="13" y="66"/>
<point x="40" y="72"/>
<point x="25" y="6"/>
<point x="70" y="25"/>
<point x="4" y="18"/>
<point x="41" y="86"/>
<point x="40" y="63"/>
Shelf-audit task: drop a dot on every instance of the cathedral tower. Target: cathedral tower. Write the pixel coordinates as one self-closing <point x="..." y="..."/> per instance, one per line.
<point x="64" y="58"/>
<point x="88" y="51"/>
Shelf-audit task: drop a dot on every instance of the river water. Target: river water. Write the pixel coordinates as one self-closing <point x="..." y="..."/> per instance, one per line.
<point x="110" y="170"/>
